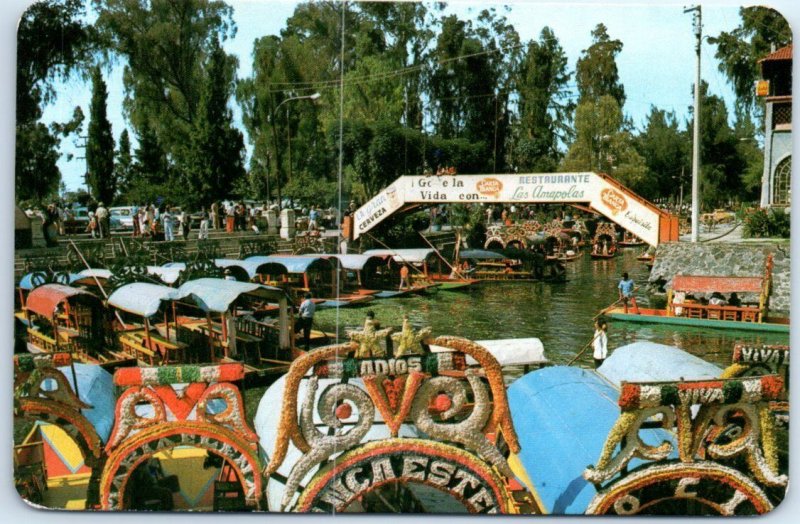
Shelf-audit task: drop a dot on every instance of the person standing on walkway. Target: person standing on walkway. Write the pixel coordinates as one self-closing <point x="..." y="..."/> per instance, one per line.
<point x="101" y="213"/>
<point x="313" y="217"/>
<point x="166" y="219"/>
<point x="600" y="342"/>
<point x="214" y="215"/>
<point x="306" y="319"/>
<point x="626" y="288"/>
<point x="203" y="234"/>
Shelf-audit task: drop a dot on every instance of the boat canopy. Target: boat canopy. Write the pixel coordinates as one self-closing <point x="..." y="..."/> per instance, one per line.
<point x="409" y="256"/>
<point x="44" y="299"/>
<point x="701" y="284"/>
<point x="295" y="264"/>
<point x="356" y="262"/>
<point x="88" y="275"/>
<point x="509" y="352"/>
<point x="179" y="265"/>
<point x="651" y="362"/>
<point x="563" y="416"/>
<point x="37" y="278"/>
<point x="142" y="298"/>
<point x="480" y="254"/>
<point x="95" y="388"/>
<point x="216" y="294"/>
<point x="247" y="268"/>
<point x="168" y="275"/>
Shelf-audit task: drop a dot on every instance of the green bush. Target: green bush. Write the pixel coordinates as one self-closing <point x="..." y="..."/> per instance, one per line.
<point x="764" y="223"/>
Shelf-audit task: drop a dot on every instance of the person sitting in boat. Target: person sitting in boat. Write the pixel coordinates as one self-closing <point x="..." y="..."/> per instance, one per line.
<point x="605" y="247"/>
<point x="734" y="300"/>
<point x="717" y="299"/>
<point x="679" y="298"/>
<point x="507" y="263"/>
<point x="595" y="248"/>
<point x="626" y="288"/>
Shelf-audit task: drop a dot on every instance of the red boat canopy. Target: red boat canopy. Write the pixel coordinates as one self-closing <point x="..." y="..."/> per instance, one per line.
<point x="699" y="284"/>
<point x="44" y="299"/>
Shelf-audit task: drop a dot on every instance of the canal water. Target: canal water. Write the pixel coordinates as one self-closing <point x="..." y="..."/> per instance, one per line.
<point x="560" y="315"/>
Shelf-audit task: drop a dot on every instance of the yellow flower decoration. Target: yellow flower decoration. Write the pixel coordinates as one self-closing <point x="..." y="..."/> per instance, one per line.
<point x="407" y="342"/>
<point x="369" y="340"/>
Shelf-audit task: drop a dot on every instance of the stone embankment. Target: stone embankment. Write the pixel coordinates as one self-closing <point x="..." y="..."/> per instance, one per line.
<point x="742" y="259"/>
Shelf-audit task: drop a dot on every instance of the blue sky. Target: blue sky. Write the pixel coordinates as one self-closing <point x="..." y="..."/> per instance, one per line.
<point x="656" y="65"/>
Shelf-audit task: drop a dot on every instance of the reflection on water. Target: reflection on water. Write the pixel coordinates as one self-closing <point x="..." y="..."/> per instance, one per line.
<point x="558" y="314"/>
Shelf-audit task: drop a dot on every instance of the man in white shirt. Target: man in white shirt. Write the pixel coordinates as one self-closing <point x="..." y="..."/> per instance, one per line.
<point x="306" y="319"/>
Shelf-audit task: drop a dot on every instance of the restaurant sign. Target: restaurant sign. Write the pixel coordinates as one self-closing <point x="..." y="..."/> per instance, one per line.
<point x="610" y="199"/>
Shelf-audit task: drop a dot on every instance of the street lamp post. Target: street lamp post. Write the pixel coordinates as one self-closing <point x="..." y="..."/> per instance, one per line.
<point x="275" y="139"/>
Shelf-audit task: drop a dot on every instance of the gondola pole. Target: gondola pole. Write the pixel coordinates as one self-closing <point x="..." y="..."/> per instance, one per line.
<point x="577" y="356"/>
<point x="605" y="309"/>
<point x="454" y="270"/>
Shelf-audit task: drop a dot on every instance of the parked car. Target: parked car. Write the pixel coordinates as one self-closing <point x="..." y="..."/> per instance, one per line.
<point x="121" y="217"/>
<point x="77" y="220"/>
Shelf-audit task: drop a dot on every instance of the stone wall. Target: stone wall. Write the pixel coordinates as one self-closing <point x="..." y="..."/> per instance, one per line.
<point x="744" y="259"/>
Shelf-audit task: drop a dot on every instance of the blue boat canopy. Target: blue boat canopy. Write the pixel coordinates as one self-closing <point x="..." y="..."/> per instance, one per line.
<point x="651" y="362"/>
<point x="248" y="267"/>
<point x="562" y="416"/>
<point x="480" y="254"/>
<point x="142" y="298"/>
<point x="356" y="262"/>
<point x="95" y="388"/>
<point x="295" y="264"/>
<point x="216" y="295"/>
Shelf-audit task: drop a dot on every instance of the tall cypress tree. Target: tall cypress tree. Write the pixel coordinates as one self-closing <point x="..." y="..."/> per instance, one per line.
<point x="216" y="146"/>
<point x="151" y="161"/>
<point x="123" y="167"/>
<point x="100" y="144"/>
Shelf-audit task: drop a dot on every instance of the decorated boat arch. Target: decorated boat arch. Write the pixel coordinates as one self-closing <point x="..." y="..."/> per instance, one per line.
<point x="601" y="192"/>
<point x="70" y="404"/>
<point x="151" y="417"/>
<point x="393" y="416"/>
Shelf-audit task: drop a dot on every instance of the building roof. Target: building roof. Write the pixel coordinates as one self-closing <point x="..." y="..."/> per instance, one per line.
<point x="784" y="53"/>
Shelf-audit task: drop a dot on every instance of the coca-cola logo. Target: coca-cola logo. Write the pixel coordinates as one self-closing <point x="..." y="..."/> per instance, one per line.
<point x="489" y="187"/>
<point x="614" y="200"/>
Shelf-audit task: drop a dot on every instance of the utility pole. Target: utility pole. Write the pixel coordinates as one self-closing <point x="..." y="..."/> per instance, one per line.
<point x="698" y="30"/>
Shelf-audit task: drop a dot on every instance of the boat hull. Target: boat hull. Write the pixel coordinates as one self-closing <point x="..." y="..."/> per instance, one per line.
<point x="649" y="317"/>
<point x="598" y="256"/>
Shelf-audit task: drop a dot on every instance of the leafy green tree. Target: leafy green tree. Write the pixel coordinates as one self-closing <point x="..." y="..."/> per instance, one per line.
<point x="123" y="163"/>
<point x="739" y="51"/>
<point x="150" y="166"/>
<point x="721" y="164"/>
<point x="665" y="149"/>
<point x="601" y="143"/>
<point x="100" y="144"/>
<point x="751" y="152"/>
<point x="217" y="147"/>
<point x="164" y="44"/>
<point x="45" y="26"/>
<point x="545" y="108"/>
<point x="596" y="71"/>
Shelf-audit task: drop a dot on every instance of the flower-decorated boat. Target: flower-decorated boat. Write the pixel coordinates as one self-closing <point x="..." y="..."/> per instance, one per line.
<point x="604" y="243"/>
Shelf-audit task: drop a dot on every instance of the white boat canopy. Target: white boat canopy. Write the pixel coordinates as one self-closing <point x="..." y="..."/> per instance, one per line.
<point x="408" y="256"/>
<point x="216" y="295"/>
<point x="141" y="298"/>
<point x="509" y="351"/>
<point x="355" y="262"/>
